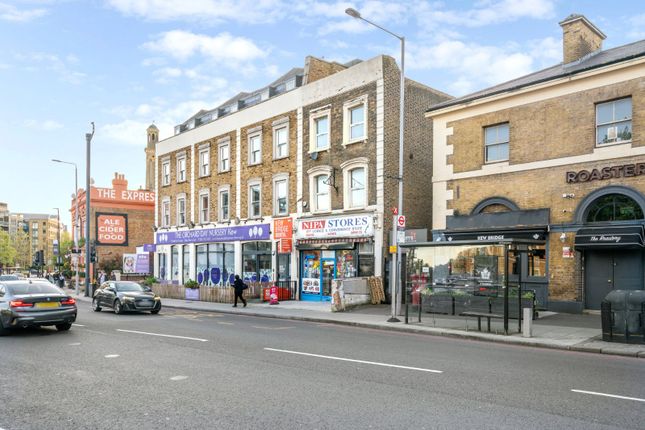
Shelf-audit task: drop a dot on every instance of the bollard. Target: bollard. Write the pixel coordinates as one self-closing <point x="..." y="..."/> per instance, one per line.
<point x="527" y="322"/>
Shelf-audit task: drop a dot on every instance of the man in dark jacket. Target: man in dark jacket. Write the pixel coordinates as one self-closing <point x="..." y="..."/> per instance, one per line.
<point x="239" y="287"/>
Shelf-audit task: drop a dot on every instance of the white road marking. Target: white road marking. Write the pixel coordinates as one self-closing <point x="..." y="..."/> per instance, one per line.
<point x="609" y="395"/>
<point x="178" y="378"/>
<point x="224" y="323"/>
<point x="78" y="325"/>
<point x="112" y="356"/>
<point x="271" y="328"/>
<point x="75" y="344"/>
<point x="355" y="361"/>
<point x="163" y="335"/>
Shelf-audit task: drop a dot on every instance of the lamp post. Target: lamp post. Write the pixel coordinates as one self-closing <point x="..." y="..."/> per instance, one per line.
<point x="57" y="253"/>
<point x="88" y="140"/>
<point x="397" y="264"/>
<point x="76" y="223"/>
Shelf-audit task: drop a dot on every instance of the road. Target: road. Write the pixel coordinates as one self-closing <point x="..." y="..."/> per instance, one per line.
<point x="192" y="370"/>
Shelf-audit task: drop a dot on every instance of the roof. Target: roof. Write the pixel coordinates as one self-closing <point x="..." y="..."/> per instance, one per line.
<point x="589" y="62"/>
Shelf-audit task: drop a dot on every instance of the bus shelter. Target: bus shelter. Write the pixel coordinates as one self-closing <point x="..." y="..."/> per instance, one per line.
<point x="480" y="279"/>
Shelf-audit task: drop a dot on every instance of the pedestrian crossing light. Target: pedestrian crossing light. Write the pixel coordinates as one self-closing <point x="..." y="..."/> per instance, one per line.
<point x="93" y="254"/>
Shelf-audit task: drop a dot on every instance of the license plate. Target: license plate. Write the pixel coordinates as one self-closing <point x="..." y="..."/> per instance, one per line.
<point x="145" y="302"/>
<point x="47" y="305"/>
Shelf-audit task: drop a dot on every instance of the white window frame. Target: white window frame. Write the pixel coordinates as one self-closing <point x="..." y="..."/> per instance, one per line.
<point x="497" y="143"/>
<point x="278" y="127"/>
<point x="313" y="136"/>
<point x="165" y="212"/>
<point x="615" y="121"/>
<point x="347" y="120"/>
<point x="313" y="189"/>
<point x="277" y="179"/>
<point x="252" y="184"/>
<point x="204" y="219"/>
<point x="220" y="146"/>
<point x="204" y="161"/>
<point x="253" y="136"/>
<point x="165" y="172"/>
<point x="347" y="167"/>
<point x="181" y="162"/>
<point x="181" y="197"/>
<point x="220" y="215"/>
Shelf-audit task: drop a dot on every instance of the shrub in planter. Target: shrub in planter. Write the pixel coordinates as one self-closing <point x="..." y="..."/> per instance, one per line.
<point x="191" y="284"/>
<point x="149" y="281"/>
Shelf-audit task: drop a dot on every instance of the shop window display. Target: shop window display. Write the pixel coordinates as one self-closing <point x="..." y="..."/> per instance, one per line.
<point x="256" y="262"/>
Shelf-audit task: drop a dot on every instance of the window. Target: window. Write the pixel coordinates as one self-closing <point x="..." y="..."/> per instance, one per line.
<point x="255" y="200"/>
<point x="165" y="173"/>
<point x="280" y="142"/>
<point x="614" y="121"/>
<point x="165" y="212"/>
<point x="224" y="204"/>
<point x="614" y="207"/>
<point x="163" y="271"/>
<point x="181" y="210"/>
<point x="357" y="123"/>
<point x="496" y="142"/>
<point x="174" y="263"/>
<point x="321" y="193"/>
<point x="256" y="262"/>
<point x="220" y="256"/>
<point x="204" y="162"/>
<point x="185" y="263"/>
<point x="280" y="196"/>
<point x="255" y="149"/>
<point x="204" y="206"/>
<point x="224" y="157"/>
<point x="321" y="131"/>
<point x="357" y="195"/>
<point x="181" y="168"/>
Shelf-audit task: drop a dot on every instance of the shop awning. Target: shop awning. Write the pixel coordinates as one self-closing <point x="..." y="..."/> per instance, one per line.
<point x="333" y="240"/>
<point x="610" y="237"/>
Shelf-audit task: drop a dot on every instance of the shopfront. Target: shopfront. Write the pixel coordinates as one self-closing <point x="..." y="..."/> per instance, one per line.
<point x="340" y="247"/>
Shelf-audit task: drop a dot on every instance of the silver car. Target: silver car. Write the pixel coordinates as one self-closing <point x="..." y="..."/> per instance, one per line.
<point x="28" y="303"/>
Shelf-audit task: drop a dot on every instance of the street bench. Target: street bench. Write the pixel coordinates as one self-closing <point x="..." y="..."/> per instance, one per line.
<point x="481" y="315"/>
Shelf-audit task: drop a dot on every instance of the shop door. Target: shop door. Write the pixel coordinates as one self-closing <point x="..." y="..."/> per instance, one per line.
<point x="284" y="267"/>
<point x="327" y="274"/>
<point x="611" y="270"/>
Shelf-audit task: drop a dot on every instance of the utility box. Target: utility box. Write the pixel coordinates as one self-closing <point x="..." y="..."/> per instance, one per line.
<point x="623" y="316"/>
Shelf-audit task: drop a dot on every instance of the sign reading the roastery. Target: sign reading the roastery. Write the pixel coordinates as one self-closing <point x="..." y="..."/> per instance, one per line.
<point x="604" y="173"/>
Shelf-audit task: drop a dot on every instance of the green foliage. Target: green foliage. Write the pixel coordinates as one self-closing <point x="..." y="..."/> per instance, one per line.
<point x="7" y="251"/>
<point x="149" y="281"/>
<point x="20" y="242"/>
<point x="191" y="284"/>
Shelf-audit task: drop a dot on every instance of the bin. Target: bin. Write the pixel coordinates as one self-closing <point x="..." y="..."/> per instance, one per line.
<point x="635" y="317"/>
<point x="623" y="314"/>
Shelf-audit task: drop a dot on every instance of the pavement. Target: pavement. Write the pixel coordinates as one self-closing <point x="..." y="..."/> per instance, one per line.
<point x="550" y="330"/>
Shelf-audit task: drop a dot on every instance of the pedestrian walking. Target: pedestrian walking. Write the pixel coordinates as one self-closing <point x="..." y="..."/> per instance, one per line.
<point x="102" y="277"/>
<point x="239" y="286"/>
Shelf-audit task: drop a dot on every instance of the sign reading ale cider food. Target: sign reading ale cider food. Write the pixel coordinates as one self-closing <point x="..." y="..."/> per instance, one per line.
<point x="112" y="229"/>
<point x="603" y="173"/>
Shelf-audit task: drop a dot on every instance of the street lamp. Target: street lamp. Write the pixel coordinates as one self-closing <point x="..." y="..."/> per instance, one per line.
<point x="397" y="269"/>
<point x="88" y="140"/>
<point x="58" y="238"/>
<point x="76" y="223"/>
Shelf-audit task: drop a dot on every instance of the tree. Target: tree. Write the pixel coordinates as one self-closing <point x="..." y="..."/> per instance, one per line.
<point x="7" y="251"/>
<point x="20" y="242"/>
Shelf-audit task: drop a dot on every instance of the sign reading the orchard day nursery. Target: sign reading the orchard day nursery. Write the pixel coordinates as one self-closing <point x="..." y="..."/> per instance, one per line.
<point x="224" y="234"/>
<point x="341" y="226"/>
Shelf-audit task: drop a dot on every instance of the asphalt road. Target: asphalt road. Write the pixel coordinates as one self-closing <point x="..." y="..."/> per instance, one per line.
<point x="231" y="371"/>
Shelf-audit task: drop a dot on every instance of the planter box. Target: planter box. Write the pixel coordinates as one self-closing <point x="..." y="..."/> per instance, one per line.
<point x="192" y="293"/>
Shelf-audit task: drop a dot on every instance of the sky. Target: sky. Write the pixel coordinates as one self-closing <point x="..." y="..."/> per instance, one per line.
<point x="124" y="64"/>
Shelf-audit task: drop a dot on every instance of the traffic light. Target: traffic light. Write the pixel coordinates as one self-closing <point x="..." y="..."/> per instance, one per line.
<point x="93" y="254"/>
<point x="39" y="258"/>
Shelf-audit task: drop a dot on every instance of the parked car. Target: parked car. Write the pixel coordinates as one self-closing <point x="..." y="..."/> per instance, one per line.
<point x="125" y="296"/>
<point x="28" y="303"/>
<point x="9" y="278"/>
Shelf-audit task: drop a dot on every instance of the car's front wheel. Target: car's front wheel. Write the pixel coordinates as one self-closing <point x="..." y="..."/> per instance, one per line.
<point x="95" y="305"/>
<point x="155" y="311"/>
<point x="63" y="327"/>
<point x="118" y="307"/>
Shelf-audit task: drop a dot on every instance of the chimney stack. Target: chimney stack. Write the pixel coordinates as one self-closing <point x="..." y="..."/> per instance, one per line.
<point x="579" y="37"/>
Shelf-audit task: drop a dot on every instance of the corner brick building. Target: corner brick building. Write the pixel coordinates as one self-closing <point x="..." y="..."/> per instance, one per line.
<point x="557" y="156"/>
<point x="294" y="181"/>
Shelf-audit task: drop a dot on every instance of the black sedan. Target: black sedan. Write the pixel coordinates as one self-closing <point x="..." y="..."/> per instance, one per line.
<point x="29" y="303"/>
<point x="125" y="296"/>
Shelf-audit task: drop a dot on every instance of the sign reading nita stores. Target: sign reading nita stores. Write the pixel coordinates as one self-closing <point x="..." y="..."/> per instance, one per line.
<point x="111" y="229"/>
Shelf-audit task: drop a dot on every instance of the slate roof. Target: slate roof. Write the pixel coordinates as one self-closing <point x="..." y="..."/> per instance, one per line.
<point x="592" y="61"/>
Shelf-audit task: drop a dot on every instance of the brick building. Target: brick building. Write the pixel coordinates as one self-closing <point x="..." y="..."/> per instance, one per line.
<point x="557" y="156"/>
<point x="246" y="187"/>
<point x="121" y="219"/>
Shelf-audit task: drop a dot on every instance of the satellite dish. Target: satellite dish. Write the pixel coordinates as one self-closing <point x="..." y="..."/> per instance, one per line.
<point x="314" y="156"/>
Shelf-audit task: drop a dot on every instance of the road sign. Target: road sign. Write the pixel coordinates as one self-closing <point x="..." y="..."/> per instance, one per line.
<point x="395" y="211"/>
<point x="392" y="249"/>
<point x="400" y="236"/>
<point x="400" y="220"/>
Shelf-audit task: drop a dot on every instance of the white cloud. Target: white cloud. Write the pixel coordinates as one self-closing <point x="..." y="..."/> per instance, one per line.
<point x="37" y="61"/>
<point x="207" y="11"/>
<point x="46" y="125"/>
<point x="638" y="27"/>
<point x="12" y="13"/>
<point x="182" y="45"/>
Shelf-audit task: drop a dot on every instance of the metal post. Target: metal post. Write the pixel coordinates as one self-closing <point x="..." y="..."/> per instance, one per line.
<point x="58" y="238"/>
<point x="76" y="231"/>
<point x="88" y="140"/>
<point x="506" y="268"/>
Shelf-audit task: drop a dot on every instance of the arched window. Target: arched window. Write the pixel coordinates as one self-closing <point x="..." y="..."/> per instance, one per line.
<point x="614" y="207"/>
<point x="495" y="204"/>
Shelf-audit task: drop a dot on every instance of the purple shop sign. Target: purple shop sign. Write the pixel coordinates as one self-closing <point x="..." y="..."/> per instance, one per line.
<point x="149" y="247"/>
<point x="142" y="264"/>
<point x="223" y="234"/>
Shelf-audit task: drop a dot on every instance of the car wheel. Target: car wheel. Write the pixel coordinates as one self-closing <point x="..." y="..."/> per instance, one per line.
<point x="118" y="307"/>
<point x="155" y="311"/>
<point x="95" y="305"/>
<point x="63" y="327"/>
